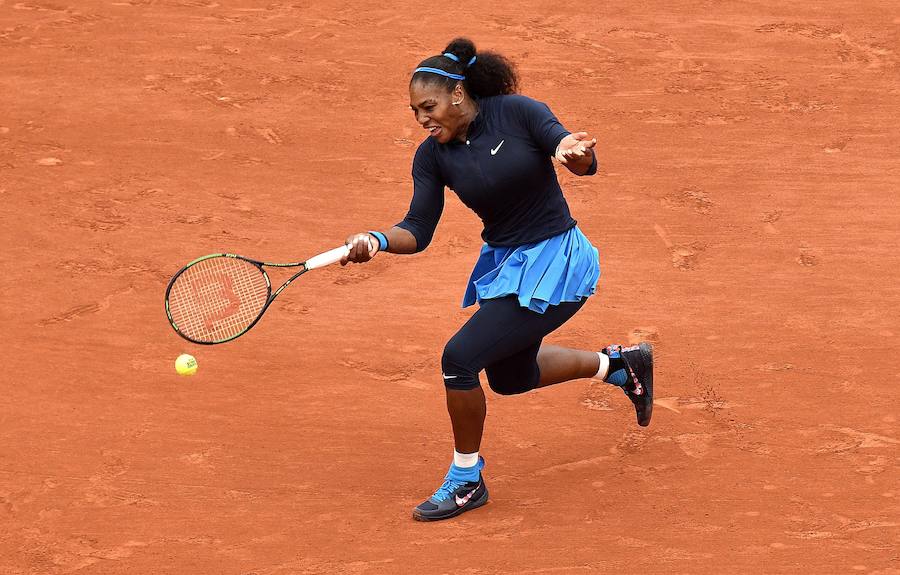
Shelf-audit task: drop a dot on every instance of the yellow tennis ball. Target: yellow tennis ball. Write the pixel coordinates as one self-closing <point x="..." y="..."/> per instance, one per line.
<point x="186" y="364"/>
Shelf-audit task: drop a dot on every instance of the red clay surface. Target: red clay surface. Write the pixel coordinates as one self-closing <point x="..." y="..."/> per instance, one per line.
<point x="746" y="216"/>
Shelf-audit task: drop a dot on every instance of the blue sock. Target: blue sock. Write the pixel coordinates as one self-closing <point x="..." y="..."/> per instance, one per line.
<point x="466" y="473"/>
<point x="619" y="378"/>
<point x="615" y="360"/>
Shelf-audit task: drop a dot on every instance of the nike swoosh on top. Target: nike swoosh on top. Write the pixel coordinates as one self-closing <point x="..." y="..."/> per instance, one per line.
<point x="497" y="149"/>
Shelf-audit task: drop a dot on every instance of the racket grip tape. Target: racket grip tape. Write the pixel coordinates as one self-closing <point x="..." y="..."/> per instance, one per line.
<point x="327" y="258"/>
<point x="332" y="257"/>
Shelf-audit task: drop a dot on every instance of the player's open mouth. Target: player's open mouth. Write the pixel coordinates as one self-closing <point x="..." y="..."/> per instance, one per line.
<point x="434" y="130"/>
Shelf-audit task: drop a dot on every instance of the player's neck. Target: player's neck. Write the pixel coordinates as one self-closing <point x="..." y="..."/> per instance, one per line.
<point x="469" y="111"/>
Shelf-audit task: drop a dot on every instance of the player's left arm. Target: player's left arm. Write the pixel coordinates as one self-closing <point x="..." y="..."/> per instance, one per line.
<point x="576" y="152"/>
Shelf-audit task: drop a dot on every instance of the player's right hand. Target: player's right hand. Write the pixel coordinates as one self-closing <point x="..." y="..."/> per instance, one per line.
<point x="363" y="247"/>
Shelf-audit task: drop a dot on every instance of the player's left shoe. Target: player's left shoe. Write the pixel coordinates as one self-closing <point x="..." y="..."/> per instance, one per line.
<point x="462" y="490"/>
<point x="638" y="388"/>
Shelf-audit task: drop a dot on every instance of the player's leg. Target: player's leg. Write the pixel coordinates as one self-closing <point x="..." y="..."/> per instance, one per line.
<point x="500" y="328"/>
<point x="503" y="334"/>
<point x="558" y="364"/>
<point x="505" y="339"/>
<point x="467" y="409"/>
<point x="630" y="368"/>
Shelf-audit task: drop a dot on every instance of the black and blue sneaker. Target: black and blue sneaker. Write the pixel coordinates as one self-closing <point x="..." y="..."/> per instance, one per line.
<point x="636" y="379"/>
<point x="463" y="490"/>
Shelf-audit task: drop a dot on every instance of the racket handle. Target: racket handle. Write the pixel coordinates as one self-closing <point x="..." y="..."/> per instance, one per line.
<point x="327" y="258"/>
<point x="333" y="256"/>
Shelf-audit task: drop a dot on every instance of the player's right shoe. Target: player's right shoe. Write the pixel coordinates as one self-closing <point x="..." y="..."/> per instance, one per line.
<point x="456" y="495"/>
<point x="638" y="387"/>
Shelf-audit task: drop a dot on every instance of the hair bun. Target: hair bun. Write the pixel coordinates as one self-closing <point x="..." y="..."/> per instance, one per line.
<point x="493" y="76"/>
<point x="463" y="49"/>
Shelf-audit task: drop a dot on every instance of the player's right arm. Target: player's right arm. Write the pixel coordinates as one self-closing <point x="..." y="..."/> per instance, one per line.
<point x="399" y="241"/>
<point x="414" y="233"/>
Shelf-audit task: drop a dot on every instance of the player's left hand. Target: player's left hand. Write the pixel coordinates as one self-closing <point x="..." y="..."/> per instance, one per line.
<point x="575" y="148"/>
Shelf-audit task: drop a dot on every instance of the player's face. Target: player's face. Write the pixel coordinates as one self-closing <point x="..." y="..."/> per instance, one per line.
<point x="432" y="105"/>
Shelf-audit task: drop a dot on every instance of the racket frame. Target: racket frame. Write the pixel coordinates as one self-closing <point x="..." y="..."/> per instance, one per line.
<point x="270" y="297"/>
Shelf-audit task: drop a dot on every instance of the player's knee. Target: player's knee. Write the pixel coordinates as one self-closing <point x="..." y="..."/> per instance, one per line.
<point x="456" y="367"/>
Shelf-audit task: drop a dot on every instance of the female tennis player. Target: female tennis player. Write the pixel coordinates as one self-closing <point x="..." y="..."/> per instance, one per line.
<point x="493" y="148"/>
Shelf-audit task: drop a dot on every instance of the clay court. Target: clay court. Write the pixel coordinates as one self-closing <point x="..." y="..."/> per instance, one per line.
<point x="747" y="220"/>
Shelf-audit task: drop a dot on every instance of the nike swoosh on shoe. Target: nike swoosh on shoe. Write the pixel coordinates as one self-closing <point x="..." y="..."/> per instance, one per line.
<point x="460" y="501"/>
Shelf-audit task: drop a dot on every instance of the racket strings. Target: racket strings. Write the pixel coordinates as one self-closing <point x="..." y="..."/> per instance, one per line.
<point x="217" y="299"/>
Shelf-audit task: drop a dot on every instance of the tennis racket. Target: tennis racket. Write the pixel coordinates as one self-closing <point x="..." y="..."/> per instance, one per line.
<point x="219" y="297"/>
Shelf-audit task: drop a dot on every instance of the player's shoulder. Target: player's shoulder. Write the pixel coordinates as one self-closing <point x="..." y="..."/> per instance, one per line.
<point x="515" y="101"/>
<point x="426" y="148"/>
<point x="426" y="157"/>
<point x="516" y="105"/>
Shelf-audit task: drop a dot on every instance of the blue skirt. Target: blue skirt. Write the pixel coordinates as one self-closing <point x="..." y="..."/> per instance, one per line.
<point x="562" y="268"/>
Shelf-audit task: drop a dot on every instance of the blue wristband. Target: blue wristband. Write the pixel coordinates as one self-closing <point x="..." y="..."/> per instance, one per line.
<point x="382" y="241"/>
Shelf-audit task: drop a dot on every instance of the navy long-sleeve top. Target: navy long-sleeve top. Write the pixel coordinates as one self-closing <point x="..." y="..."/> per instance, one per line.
<point x="503" y="172"/>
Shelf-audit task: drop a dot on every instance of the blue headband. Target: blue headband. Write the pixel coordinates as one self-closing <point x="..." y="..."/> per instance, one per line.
<point x="439" y="72"/>
<point x="455" y="58"/>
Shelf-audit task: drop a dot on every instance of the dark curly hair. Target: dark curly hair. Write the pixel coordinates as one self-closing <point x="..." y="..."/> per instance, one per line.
<point x="490" y="75"/>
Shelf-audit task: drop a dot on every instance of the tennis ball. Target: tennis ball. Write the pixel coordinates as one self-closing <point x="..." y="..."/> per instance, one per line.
<point x="186" y="364"/>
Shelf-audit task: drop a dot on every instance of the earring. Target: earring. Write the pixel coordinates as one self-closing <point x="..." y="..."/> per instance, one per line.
<point x="456" y="103"/>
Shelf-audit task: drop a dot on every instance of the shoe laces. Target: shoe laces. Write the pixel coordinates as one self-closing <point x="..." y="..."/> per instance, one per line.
<point x="447" y="489"/>
<point x="618" y="348"/>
